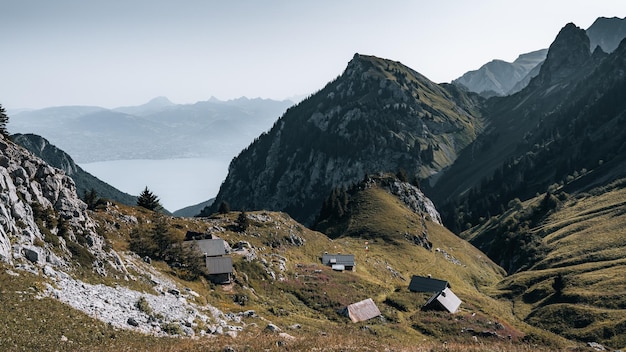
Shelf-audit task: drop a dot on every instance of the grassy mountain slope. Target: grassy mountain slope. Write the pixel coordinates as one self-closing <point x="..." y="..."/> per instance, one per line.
<point x="279" y="278"/>
<point x="575" y="287"/>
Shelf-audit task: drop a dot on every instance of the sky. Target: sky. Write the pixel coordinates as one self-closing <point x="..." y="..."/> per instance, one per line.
<point x="113" y="53"/>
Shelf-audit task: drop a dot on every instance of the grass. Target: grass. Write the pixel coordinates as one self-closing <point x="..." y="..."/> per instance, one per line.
<point x="585" y="240"/>
<point x="305" y="293"/>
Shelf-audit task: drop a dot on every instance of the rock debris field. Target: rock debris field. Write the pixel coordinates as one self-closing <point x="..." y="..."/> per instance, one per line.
<point x="167" y="313"/>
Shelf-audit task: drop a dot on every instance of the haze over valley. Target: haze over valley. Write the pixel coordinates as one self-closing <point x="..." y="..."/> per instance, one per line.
<point x="403" y="203"/>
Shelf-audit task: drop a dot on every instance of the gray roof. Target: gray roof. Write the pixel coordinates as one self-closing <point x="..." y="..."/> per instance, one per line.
<point x="219" y="265"/>
<point x="427" y="284"/>
<point x="341" y="259"/>
<point x="362" y="311"/>
<point x="445" y="299"/>
<point x="211" y="247"/>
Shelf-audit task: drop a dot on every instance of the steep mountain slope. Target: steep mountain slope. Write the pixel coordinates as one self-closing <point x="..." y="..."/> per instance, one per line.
<point x="534" y="135"/>
<point x="574" y="249"/>
<point x="379" y="115"/>
<point x="502" y="78"/>
<point x="84" y="181"/>
<point x="44" y="222"/>
<point x="499" y="77"/>
<point x="156" y="130"/>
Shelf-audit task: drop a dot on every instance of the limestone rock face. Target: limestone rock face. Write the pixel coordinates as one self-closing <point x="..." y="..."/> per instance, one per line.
<point x="40" y="211"/>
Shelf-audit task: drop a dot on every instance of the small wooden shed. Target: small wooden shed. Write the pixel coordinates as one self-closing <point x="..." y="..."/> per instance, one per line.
<point x="361" y="311"/>
<point x="443" y="300"/>
<point x="220" y="269"/>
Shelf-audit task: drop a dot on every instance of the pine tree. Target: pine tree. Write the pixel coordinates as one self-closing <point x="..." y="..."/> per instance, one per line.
<point x="91" y="199"/>
<point x="4" y="121"/>
<point x="162" y="238"/>
<point x="224" y="208"/>
<point x="149" y="200"/>
<point x="242" y="221"/>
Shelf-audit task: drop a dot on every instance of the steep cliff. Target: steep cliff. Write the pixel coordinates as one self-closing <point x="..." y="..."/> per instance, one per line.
<point x="43" y="220"/>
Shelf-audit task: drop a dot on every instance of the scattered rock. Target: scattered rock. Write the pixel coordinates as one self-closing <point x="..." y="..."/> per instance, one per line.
<point x="273" y="328"/>
<point x="596" y="346"/>
<point x="132" y="322"/>
<point x="286" y="336"/>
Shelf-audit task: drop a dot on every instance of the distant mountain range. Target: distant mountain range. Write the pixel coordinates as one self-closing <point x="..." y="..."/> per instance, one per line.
<point x="499" y="77"/>
<point x="158" y="129"/>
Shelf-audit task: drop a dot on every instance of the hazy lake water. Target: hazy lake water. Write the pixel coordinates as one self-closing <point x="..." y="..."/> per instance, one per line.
<point x="177" y="182"/>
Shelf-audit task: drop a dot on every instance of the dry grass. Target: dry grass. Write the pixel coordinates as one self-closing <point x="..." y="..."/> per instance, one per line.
<point x="306" y="294"/>
<point x="586" y="242"/>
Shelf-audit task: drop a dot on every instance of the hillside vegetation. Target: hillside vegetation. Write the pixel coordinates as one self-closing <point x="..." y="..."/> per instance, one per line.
<point x="574" y="284"/>
<point x="279" y="279"/>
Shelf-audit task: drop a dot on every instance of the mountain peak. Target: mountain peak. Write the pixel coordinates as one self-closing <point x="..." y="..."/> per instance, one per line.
<point x="567" y="54"/>
<point x="378" y="116"/>
<point x="159" y="102"/>
<point x="607" y="33"/>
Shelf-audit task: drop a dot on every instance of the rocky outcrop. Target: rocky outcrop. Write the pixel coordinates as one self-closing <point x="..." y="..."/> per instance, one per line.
<point x="568" y="53"/>
<point x="83" y="180"/>
<point x="40" y="213"/>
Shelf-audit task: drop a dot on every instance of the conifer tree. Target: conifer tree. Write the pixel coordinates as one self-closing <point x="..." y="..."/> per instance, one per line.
<point x="4" y="120"/>
<point x="149" y="200"/>
<point x="224" y="208"/>
<point x="242" y="221"/>
<point x="91" y="199"/>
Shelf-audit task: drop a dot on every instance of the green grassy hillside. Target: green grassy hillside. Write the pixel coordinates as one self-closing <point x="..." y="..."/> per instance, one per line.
<point x="575" y="285"/>
<point x="284" y="283"/>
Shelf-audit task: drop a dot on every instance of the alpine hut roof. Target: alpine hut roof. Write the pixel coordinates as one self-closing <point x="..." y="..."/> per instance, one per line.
<point x="361" y="311"/>
<point x="219" y="265"/>
<point x="427" y="284"/>
<point x="339" y="259"/>
<point x="445" y="299"/>
<point x="211" y="247"/>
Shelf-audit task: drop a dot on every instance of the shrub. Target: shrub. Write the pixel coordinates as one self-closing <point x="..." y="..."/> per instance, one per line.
<point x="143" y="305"/>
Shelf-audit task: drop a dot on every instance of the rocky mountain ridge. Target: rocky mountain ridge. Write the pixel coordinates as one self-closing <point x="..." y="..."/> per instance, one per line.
<point x="502" y="78"/>
<point x="379" y="115"/>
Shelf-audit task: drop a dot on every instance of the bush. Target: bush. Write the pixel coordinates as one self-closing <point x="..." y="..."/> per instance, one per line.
<point x="143" y="305"/>
<point x="172" y="328"/>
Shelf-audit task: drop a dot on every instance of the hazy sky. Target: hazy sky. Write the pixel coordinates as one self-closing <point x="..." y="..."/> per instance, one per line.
<point x="124" y="52"/>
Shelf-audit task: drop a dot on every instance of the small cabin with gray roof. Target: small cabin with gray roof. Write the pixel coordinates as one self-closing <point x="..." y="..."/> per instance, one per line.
<point x="219" y="266"/>
<point x="442" y="299"/>
<point x="339" y="262"/>
<point x="211" y="247"/>
<point x="220" y="269"/>
<point x="361" y="311"/>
